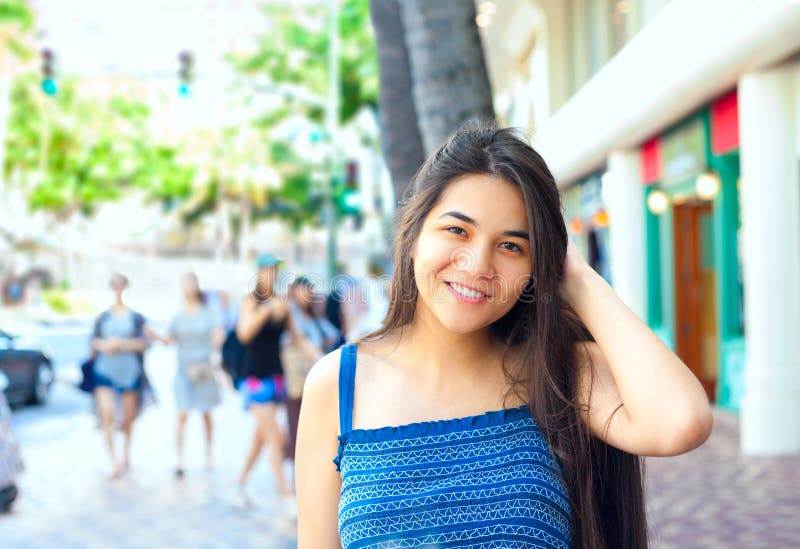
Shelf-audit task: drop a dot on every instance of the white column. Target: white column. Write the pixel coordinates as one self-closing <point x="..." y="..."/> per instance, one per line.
<point x="623" y="194"/>
<point x="769" y="116"/>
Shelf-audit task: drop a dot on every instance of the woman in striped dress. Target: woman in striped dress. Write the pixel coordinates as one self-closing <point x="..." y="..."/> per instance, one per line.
<point x="509" y="393"/>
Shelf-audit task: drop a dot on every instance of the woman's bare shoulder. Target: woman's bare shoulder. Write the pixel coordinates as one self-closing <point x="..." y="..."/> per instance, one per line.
<point x="321" y="395"/>
<point x="326" y="371"/>
<point x="324" y="375"/>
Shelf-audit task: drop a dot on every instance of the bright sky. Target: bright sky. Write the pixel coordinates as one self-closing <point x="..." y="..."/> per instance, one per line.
<point x="144" y="37"/>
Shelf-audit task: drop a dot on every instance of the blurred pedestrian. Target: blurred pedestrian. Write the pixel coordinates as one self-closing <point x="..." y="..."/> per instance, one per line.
<point x="262" y="320"/>
<point x="311" y="337"/>
<point x="509" y="393"/>
<point x="198" y="330"/>
<point x="10" y="460"/>
<point x="119" y="341"/>
<point x="335" y="313"/>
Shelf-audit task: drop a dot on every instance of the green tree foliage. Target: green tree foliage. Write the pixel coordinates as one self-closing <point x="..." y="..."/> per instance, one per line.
<point x="293" y="56"/>
<point x="16" y="18"/>
<point x="291" y="63"/>
<point x="72" y="151"/>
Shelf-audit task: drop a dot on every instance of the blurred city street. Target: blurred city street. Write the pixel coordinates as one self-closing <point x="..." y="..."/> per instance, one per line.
<point x="66" y="501"/>
<point x="262" y="153"/>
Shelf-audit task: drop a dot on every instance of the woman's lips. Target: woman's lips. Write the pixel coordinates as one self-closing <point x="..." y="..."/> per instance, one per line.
<point x="466" y="294"/>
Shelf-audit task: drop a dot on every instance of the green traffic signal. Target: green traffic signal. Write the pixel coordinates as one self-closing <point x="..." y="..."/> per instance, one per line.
<point x="48" y="72"/>
<point x="49" y="86"/>
<point x="349" y="202"/>
<point x="185" y="72"/>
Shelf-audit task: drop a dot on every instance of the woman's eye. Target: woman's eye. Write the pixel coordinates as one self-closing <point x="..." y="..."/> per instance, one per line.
<point x="511" y="246"/>
<point x="456" y="230"/>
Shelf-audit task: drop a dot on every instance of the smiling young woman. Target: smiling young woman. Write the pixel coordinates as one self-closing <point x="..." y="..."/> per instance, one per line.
<point x="509" y="393"/>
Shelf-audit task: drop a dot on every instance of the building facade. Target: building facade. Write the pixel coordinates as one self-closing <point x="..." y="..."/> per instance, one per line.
<point x="687" y="113"/>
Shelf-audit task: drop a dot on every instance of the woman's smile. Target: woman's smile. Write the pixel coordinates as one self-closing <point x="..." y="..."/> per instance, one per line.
<point x="465" y="294"/>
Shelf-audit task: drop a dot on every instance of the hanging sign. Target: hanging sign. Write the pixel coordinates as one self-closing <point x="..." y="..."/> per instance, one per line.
<point x="683" y="153"/>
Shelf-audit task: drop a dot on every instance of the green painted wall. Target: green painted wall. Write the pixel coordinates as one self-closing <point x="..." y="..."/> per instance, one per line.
<point x="729" y="292"/>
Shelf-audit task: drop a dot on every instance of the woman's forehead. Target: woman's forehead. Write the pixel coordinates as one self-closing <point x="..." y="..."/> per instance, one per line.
<point x="488" y="200"/>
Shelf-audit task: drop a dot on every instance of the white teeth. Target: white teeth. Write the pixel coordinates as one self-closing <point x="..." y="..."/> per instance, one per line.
<point x="466" y="292"/>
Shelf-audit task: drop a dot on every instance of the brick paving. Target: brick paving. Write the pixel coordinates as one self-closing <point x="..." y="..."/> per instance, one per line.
<point x="715" y="497"/>
<point x="66" y="501"/>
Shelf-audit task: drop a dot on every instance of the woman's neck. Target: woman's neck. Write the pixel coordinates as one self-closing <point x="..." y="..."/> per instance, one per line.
<point x="440" y="353"/>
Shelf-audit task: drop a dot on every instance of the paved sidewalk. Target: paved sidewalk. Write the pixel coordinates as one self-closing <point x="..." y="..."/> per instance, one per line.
<point x="67" y="502"/>
<point x="716" y="498"/>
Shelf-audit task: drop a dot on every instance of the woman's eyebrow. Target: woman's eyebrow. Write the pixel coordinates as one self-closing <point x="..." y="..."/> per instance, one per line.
<point x="461" y="216"/>
<point x="467" y="219"/>
<point x="518" y="234"/>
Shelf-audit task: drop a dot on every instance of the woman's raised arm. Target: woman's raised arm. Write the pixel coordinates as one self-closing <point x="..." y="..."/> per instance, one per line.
<point x="638" y="395"/>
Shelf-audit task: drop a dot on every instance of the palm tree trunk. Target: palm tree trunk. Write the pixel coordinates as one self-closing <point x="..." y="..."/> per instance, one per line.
<point x="450" y="83"/>
<point x="400" y="138"/>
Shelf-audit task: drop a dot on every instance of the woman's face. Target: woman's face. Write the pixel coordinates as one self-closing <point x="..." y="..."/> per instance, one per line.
<point x="190" y="287"/>
<point x="265" y="281"/>
<point x="302" y="295"/>
<point x="472" y="259"/>
<point x="117" y="283"/>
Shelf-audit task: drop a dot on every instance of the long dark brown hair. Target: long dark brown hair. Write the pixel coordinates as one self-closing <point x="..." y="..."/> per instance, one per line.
<point x="604" y="484"/>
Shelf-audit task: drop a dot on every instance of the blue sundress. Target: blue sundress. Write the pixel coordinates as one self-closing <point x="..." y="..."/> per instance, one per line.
<point x="487" y="481"/>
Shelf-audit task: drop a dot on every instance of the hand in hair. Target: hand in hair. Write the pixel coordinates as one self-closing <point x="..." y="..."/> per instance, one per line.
<point x="637" y="395"/>
<point x="575" y="266"/>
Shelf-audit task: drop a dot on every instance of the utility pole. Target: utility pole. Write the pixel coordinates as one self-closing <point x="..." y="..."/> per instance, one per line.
<point x="332" y="129"/>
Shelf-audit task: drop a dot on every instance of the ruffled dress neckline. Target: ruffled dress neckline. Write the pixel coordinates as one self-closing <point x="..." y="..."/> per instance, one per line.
<point x="437" y="426"/>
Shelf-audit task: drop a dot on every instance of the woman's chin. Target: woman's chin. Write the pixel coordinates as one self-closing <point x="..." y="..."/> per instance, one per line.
<point x="463" y="326"/>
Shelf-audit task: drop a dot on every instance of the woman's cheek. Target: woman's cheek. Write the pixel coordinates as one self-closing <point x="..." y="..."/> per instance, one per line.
<point x="435" y="252"/>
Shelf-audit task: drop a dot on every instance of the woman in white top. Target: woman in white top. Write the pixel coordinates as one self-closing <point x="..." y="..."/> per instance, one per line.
<point x="198" y="331"/>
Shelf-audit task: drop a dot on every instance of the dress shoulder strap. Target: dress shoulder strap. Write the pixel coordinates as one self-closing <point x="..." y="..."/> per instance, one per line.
<point x="347" y="378"/>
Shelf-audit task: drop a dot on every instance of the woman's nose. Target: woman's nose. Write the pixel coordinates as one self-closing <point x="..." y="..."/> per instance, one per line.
<point x="475" y="260"/>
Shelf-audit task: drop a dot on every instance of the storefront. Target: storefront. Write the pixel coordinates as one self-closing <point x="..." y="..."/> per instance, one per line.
<point x="693" y="227"/>
<point x="587" y="222"/>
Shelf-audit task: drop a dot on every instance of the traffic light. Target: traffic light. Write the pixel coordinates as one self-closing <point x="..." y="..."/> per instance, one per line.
<point x="48" y="72"/>
<point x="185" y="72"/>
<point x="349" y="202"/>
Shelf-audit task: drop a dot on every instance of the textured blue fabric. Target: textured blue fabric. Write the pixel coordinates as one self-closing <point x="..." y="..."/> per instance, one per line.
<point x="484" y="481"/>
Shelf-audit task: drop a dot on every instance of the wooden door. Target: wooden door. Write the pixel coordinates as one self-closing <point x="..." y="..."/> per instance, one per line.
<point x="695" y="321"/>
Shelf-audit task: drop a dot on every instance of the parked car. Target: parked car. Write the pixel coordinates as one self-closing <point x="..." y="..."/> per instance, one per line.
<point x="10" y="460"/>
<point x="29" y="371"/>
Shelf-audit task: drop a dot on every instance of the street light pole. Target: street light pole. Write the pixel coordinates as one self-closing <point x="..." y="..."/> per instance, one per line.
<point x="332" y="127"/>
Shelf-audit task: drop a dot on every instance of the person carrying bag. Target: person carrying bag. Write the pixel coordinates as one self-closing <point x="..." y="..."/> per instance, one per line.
<point x="309" y="338"/>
